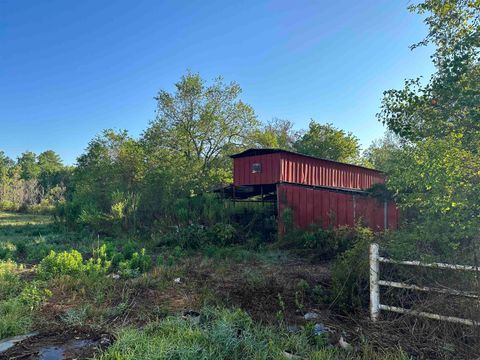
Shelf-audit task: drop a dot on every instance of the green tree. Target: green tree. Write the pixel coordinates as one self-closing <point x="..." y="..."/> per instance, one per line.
<point x="197" y="127"/>
<point x="436" y="177"/>
<point x="437" y="180"/>
<point x="382" y="153"/>
<point x="277" y="133"/>
<point x="51" y="169"/>
<point x="108" y="180"/>
<point x="49" y="161"/>
<point x="328" y="142"/>
<point x="29" y="168"/>
<point x="449" y="101"/>
<point x="5" y="165"/>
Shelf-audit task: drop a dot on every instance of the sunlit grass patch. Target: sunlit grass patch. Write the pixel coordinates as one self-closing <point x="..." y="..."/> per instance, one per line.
<point x="15" y="219"/>
<point x="10" y="283"/>
<point x="18" y="300"/>
<point x="15" y="318"/>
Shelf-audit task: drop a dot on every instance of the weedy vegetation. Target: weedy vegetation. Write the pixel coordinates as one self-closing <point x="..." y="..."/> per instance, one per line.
<point x="133" y="249"/>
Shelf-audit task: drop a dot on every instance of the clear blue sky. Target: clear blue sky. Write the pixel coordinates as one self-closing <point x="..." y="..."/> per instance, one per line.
<point x="69" y="69"/>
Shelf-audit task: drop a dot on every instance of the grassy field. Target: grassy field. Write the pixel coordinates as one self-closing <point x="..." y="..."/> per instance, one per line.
<point x="122" y="299"/>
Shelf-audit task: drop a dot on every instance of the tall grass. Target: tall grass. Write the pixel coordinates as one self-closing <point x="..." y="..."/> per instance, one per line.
<point x="15" y="317"/>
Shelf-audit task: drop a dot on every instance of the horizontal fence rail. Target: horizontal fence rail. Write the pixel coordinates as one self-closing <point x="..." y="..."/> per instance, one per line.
<point x="375" y="283"/>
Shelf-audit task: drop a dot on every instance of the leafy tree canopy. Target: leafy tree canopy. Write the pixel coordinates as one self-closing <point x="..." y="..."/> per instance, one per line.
<point x="49" y="161"/>
<point x="382" y="153"/>
<point x="29" y="168"/>
<point x="197" y="126"/>
<point x="5" y="164"/>
<point x="449" y="102"/>
<point x="328" y="142"/>
<point x="277" y="133"/>
<point x="436" y="175"/>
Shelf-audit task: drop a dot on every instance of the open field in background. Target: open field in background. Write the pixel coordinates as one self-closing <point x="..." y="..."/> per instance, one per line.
<point x="122" y="299"/>
<point x="13" y="219"/>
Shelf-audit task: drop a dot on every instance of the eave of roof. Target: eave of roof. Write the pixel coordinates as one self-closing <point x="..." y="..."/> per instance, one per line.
<point x="265" y="151"/>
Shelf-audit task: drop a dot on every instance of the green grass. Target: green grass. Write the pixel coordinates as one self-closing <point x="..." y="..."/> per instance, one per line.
<point x="18" y="299"/>
<point x="226" y="334"/>
<point x="15" y="318"/>
<point x="16" y="219"/>
<point x="29" y="238"/>
<point x="92" y="299"/>
<point x="221" y="334"/>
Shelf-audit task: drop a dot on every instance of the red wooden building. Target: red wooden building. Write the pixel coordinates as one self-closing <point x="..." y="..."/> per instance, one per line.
<point x="318" y="191"/>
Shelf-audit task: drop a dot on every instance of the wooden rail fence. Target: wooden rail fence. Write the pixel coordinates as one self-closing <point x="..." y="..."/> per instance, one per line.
<point x="376" y="282"/>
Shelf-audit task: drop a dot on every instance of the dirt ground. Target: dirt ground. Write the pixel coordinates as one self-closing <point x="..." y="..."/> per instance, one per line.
<point x="60" y="344"/>
<point x="254" y="287"/>
<point x="81" y="317"/>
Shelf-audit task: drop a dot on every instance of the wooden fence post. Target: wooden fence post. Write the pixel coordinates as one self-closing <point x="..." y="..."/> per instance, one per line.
<point x="374" y="286"/>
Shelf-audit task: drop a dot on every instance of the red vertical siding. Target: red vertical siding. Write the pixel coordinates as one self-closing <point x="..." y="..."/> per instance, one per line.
<point x="305" y="170"/>
<point x="270" y="174"/>
<point x="295" y="168"/>
<point x="315" y="206"/>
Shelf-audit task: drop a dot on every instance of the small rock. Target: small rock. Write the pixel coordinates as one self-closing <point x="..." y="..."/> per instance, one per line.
<point x="320" y="329"/>
<point x="105" y="340"/>
<point x="192" y="316"/>
<point x="310" y="316"/>
<point x="294" y="329"/>
<point x="6" y="344"/>
<point x="344" y="345"/>
<point x="289" y="355"/>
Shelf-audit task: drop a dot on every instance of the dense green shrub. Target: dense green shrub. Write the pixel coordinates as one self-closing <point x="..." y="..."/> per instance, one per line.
<point x="71" y="263"/>
<point x="6" y="205"/>
<point x="33" y="294"/>
<point x="21" y="249"/>
<point x="99" y="263"/>
<point x="7" y="250"/>
<point x="37" y="252"/>
<point x="141" y="261"/>
<point x="327" y="243"/>
<point x="16" y="312"/>
<point x="129" y="248"/>
<point x="45" y="207"/>
<point x="429" y="241"/>
<point x="350" y="273"/>
<point x="62" y="263"/>
<point x="10" y="283"/>
<point x="221" y="234"/>
<point x="103" y="260"/>
<point x="187" y="237"/>
<point x="96" y="220"/>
